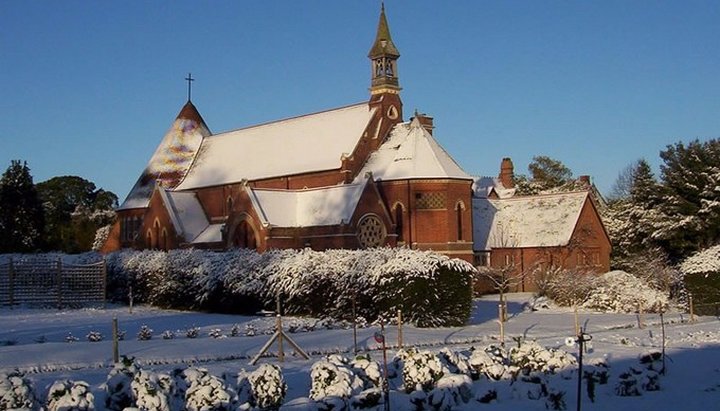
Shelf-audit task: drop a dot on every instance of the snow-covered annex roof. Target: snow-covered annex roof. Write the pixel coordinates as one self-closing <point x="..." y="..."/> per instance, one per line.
<point x="172" y="158"/>
<point x="532" y="221"/>
<point x="307" y="208"/>
<point x="411" y="152"/>
<point x="188" y="217"/>
<point x="314" y="142"/>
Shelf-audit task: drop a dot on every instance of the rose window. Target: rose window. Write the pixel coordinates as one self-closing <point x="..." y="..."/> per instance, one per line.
<point x="371" y="232"/>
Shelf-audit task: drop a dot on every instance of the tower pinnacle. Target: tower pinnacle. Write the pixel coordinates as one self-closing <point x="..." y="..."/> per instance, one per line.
<point x="383" y="56"/>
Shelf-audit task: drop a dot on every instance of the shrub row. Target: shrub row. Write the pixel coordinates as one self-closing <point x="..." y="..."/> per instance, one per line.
<point x="431" y="289"/>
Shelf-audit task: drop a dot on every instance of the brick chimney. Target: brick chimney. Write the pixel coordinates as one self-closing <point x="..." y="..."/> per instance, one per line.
<point x="426" y="121"/>
<point x="507" y="173"/>
<point x="584" y="181"/>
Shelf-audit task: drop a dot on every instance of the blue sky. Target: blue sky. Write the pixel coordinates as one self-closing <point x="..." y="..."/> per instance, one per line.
<point x="89" y="88"/>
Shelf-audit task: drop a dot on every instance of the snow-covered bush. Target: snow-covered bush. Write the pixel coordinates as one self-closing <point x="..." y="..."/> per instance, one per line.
<point x="322" y="284"/>
<point x="530" y="356"/>
<point x="568" y="287"/>
<point x="145" y="333"/>
<point x="421" y="370"/>
<point x="192" y="332"/>
<point x="368" y="371"/>
<point x="118" y="390"/>
<point x="71" y="338"/>
<point x="618" y="291"/>
<point x="94" y="336"/>
<point x="152" y="391"/>
<point x="268" y="387"/>
<point x="333" y="377"/>
<point x="65" y="395"/>
<point x="167" y="335"/>
<point x="16" y="392"/>
<point x="206" y="392"/>
<point x="450" y="392"/>
<point x="491" y="362"/>
<point x="216" y="333"/>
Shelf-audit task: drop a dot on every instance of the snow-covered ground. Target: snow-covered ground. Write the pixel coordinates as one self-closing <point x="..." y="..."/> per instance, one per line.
<point x="35" y="341"/>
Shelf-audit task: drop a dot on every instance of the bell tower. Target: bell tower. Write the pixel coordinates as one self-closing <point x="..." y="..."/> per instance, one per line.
<point x="383" y="56"/>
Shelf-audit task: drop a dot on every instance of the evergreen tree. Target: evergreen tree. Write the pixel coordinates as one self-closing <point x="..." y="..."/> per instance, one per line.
<point x="21" y="213"/>
<point x="546" y="174"/>
<point x="74" y="210"/>
<point x="691" y="206"/>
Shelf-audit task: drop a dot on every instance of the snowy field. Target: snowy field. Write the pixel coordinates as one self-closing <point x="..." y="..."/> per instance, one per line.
<point x="35" y="341"/>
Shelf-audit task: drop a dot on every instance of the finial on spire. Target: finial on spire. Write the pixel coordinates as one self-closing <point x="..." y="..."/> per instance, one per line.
<point x="189" y="79"/>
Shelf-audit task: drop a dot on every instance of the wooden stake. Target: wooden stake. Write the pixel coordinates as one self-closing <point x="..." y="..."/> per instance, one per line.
<point x="116" y="354"/>
<point x="278" y="327"/>
<point x="692" y="310"/>
<point x="577" y="320"/>
<point x="354" y="318"/>
<point x="400" y="328"/>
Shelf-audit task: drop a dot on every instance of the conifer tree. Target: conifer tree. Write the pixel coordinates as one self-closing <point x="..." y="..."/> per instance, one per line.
<point x="21" y="213"/>
<point x="691" y="206"/>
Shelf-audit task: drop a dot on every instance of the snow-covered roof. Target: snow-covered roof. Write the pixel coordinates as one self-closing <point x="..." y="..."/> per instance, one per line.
<point x="211" y="234"/>
<point x="532" y="221"/>
<point x="307" y="208"/>
<point x="186" y="213"/>
<point x="297" y="145"/>
<point x="172" y="158"/>
<point x="483" y="186"/>
<point x="411" y="152"/>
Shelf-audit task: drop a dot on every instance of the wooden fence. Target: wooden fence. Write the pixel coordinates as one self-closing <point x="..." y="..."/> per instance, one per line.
<point x="38" y="281"/>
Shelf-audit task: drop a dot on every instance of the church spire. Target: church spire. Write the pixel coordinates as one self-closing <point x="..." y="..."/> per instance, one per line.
<point x="383" y="56"/>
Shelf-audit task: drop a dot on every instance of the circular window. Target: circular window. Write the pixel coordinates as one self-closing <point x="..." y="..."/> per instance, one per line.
<point x="371" y="232"/>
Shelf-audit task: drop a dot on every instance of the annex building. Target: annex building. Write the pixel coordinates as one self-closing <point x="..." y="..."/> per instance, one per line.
<point x="350" y="177"/>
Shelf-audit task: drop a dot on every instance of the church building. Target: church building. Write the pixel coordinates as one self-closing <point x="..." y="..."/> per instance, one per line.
<point x="374" y="179"/>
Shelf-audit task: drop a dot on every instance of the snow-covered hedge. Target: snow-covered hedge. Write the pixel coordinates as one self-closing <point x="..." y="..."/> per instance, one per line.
<point x="704" y="262"/>
<point x="431" y="289"/>
<point x="622" y="292"/>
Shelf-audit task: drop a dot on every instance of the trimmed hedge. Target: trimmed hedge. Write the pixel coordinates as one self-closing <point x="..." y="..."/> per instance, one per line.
<point x="431" y="289"/>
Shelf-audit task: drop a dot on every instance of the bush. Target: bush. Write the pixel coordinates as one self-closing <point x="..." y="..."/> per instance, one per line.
<point x="118" y="390"/>
<point x="16" y="392"/>
<point x="268" y="387"/>
<point x="65" y="395"/>
<point x="618" y="291"/>
<point x="431" y="289"/>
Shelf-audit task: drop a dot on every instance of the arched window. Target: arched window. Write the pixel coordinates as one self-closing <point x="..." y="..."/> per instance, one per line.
<point x="244" y="236"/>
<point x="156" y="235"/>
<point x="229" y="206"/>
<point x="459" y="207"/>
<point x="164" y="240"/>
<point x="399" y="226"/>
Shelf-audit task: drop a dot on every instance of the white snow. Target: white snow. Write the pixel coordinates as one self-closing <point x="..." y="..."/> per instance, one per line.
<point x="279" y="148"/>
<point x="533" y="221"/>
<point x="411" y="152"/>
<point x="692" y="381"/>
<point x="306" y="208"/>
<point x="186" y="213"/>
<point x="706" y="262"/>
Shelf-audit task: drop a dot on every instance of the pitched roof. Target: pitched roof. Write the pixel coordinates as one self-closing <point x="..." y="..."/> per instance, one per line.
<point x="532" y="221"/>
<point x="307" y="208"/>
<point x="186" y="213"/>
<point x="411" y="152"/>
<point x="172" y="158"/>
<point x="383" y="44"/>
<point x="297" y="145"/>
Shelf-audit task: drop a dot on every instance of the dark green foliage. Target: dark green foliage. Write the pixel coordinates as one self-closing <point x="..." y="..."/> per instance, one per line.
<point x="546" y="174"/>
<point x="74" y="210"/>
<point x="21" y="214"/>
<point x="705" y="291"/>
<point x="431" y="290"/>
